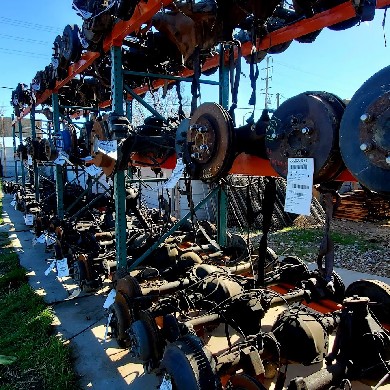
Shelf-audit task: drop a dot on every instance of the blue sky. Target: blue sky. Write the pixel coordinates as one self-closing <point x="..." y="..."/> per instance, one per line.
<point x="337" y="62"/>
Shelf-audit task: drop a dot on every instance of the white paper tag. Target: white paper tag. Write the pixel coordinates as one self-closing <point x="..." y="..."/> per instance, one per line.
<point x="299" y="185"/>
<point x="75" y="293"/>
<point x="110" y="148"/>
<point x="176" y="174"/>
<point x="59" y="160"/>
<point x="110" y="299"/>
<point x="13" y="203"/>
<point x="50" y="240"/>
<point x="29" y="159"/>
<point x="166" y="383"/>
<point x="93" y="170"/>
<point x="107" y="325"/>
<point x="41" y="239"/>
<point x="29" y="219"/>
<point x="62" y="159"/>
<point x="62" y="268"/>
<point x="51" y="267"/>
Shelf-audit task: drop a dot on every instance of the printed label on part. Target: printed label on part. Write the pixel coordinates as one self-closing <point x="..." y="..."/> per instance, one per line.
<point x="41" y="239"/>
<point x="62" y="268"/>
<point x="110" y="148"/>
<point x="166" y="383"/>
<point x="110" y="299"/>
<point x="50" y="240"/>
<point x="176" y="174"/>
<point x="51" y="267"/>
<point x="93" y="170"/>
<point x="107" y="325"/>
<point x="299" y="185"/>
<point x="29" y="219"/>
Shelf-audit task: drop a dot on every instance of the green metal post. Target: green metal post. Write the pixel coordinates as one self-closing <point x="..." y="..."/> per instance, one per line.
<point x="35" y="164"/>
<point x="119" y="177"/>
<point x="129" y="110"/>
<point x="223" y="79"/>
<point x="59" y="172"/>
<point x="129" y="114"/>
<point x="222" y="195"/>
<point x="14" y="144"/>
<point x="21" y="160"/>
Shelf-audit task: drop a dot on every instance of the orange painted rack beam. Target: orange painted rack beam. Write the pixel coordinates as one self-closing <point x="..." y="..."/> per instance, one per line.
<point x="145" y="11"/>
<point x="335" y="15"/>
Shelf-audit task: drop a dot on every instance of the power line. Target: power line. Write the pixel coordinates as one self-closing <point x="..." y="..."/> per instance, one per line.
<point x="297" y="69"/>
<point x="23" y="53"/>
<point x="22" y="39"/>
<point x="29" y="25"/>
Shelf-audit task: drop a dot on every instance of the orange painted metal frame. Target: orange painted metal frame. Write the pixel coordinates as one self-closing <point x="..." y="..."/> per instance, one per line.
<point x="243" y="164"/>
<point x="145" y="11"/>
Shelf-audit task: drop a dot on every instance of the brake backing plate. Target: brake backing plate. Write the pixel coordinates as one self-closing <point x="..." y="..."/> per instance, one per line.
<point x="307" y="125"/>
<point x="365" y="133"/>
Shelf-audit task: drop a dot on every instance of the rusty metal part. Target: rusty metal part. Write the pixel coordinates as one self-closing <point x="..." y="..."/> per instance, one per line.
<point x="307" y="125"/>
<point x="146" y="343"/>
<point x="190" y="365"/>
<point x="379" y="294"/>
<point x="210" y="139"/>
<point x="118" y="324"/>
<point x="123" y="314"/>
<point x="360" y="350"/>
<point x="244" y="382"/>
<point x="105" y="162"/>
<point x="365" y="133"/>
<point x="302" y="337"/>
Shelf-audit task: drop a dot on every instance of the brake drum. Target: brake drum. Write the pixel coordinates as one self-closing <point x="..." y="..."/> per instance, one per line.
<point x="365" y="133"/>
<point x="307" y="125"/>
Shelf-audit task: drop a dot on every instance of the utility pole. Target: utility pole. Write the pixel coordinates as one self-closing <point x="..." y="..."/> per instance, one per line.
<point x="267" y="80"/>
<point x="4" y="162"/>
<point x="277" y="100"/>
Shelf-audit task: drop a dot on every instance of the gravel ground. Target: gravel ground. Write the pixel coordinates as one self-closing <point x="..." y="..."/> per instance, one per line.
<point x="360" y="246"/>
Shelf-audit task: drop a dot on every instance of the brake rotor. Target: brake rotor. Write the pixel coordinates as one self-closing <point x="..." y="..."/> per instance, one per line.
<point x="244" y="382"/>
<point x="210" y="139"/>
<point x="365" y="133"/>
<point x="307" y="125"/>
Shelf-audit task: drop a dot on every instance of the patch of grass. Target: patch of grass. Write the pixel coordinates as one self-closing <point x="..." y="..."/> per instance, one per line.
<point x="305" y="242"/>
<point x="42" y="361"/>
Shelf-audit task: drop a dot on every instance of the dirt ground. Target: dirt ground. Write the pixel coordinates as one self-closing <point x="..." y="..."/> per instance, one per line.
<point x="368" y="251"/>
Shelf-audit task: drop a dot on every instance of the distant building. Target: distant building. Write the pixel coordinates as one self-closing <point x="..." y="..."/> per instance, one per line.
<point x="6" y="127"/>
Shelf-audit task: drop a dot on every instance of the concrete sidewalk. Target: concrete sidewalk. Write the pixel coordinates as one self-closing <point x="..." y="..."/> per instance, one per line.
<point x="81" y="320"/>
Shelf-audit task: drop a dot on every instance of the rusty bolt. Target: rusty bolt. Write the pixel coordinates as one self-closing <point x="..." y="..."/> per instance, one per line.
<point x="364" y="147"/>
<point x="365" y="118"/>
<point x="388" y="160"/>
<point x="306" y="130"/>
